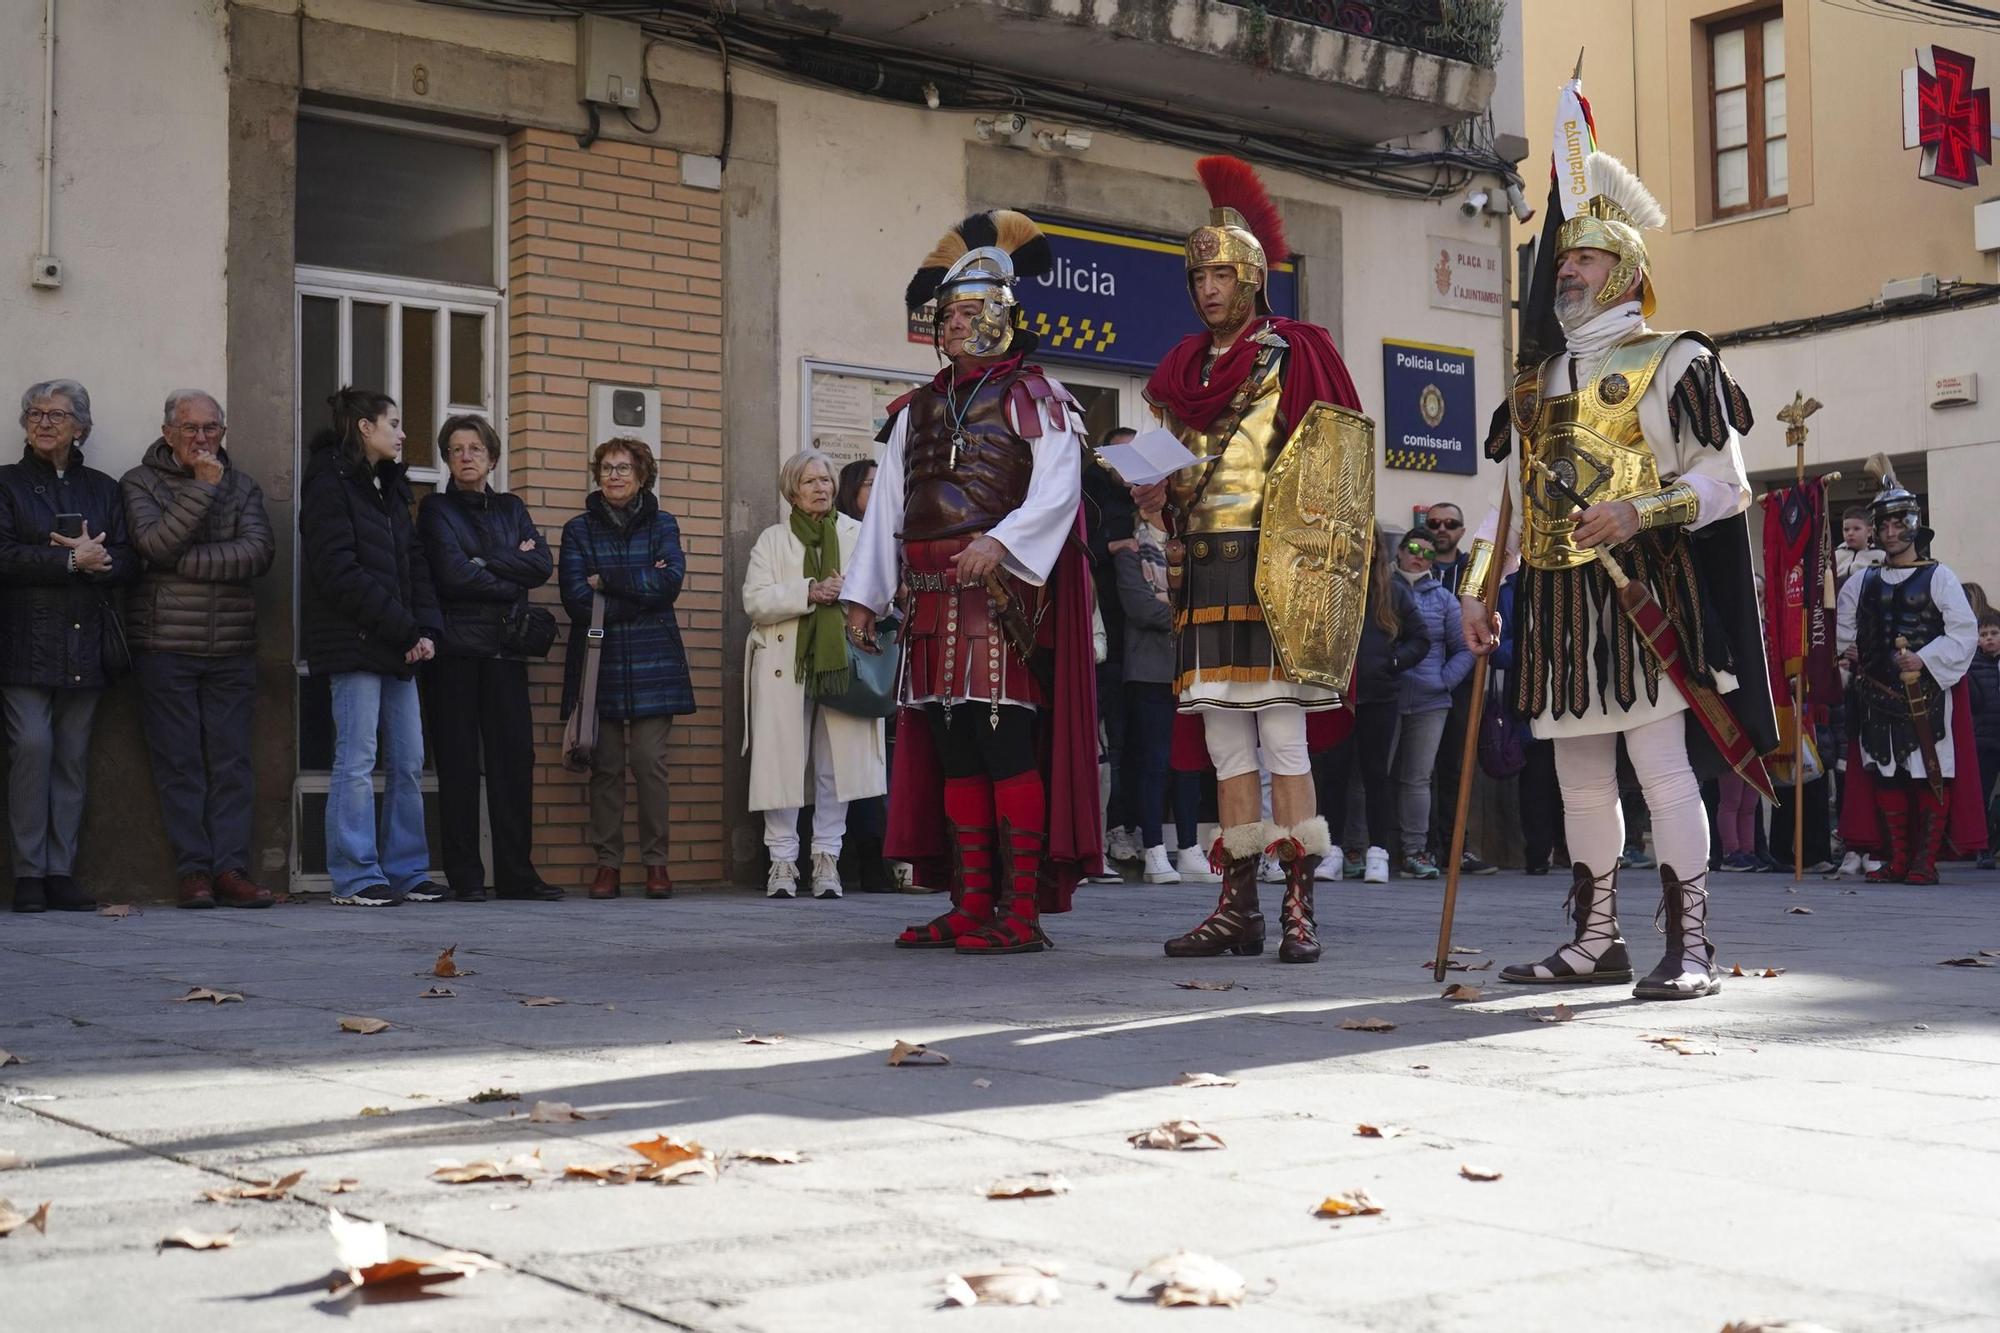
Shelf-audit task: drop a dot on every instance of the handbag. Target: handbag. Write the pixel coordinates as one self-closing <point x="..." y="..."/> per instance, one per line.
<point x="1502" y="749"/>
<point x="113" y="652"/>
<point x="871" y="678"/>
<point x="528" y="630"/>
<point x="580" y="731"/>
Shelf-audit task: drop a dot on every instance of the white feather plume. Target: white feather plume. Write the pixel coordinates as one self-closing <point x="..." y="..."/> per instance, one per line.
<point x="1615" y="181"/>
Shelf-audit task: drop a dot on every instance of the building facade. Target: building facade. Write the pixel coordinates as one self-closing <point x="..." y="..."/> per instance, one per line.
<point x="270" y="198"/>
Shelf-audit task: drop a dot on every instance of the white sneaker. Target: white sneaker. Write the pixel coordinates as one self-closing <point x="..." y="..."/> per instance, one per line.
<point x="1159" y="869"/>
<point x="1194" y="867"/>
<point x="783" y="881"/>
<point x="826" y="875"/>
<point x="1328" y="871"/>
<point x="1120" y="845"/>
<point x="1870" y="865"/>
<point x="1376" y="870"/>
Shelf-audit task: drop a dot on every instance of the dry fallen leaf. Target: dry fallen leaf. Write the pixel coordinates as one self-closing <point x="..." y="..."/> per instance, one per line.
<point x="13" y="1161"/>
<point x="1798" y="911"/>
<point x="447" y="966"/>
<point x="373" y="1112"/>
<point x="540" y="1001"/>
<point x="614" y="1173"/>
<point x="438" y="993"/>
<point x="270" y="1191"/>
<point x="345" y="1185"/>
<point x="493" y="1095"/>
<point x="982" y="1083"/>
<point x="118" y="910"/>
<point x="1774" y="1326"/>
<point x="1679" y="1045"/>
<point x="1430" y="965"/>
<point x="1174" y="1135"/>
<point x="1379" y="1131"/>
<point x="555" y="1112"/>
<point x="12" y="1219"/>
<point x="1478" y="1172"/>
<point x="1456" y="991"/>
<point x="1007" y="1284"/>
<point x="752" y="1039"/>
<point x="1736" y="971"/>
<point x="1206" y="985"/>
<point x="1193" y="1080"/>
<point x="1040" y="1185"/>
<point x="910" y="1053"/>
<point x="1354" y="1203"/>
<point x="1983" y="953"/>
<point x="521" y="1166"/>
<point x="8" y="1058"/>
<point x="187" y="1239"/>
<point x="1774" y="972"/>
<point x="204" y="993"/>
<point x="1182" y="1278"/>
<point x="1562" y="1013"/>
<point x="1460" y="948"/>
<point x="365" y="1026"/>
<point x="361" y="1253"/>
<point x="1965" y="962"/>
<point x="1367" y="1025"/>
<point x="674" y="1159"/>
<point x="768" y="1156"/>
<point x="1482" y="965"/>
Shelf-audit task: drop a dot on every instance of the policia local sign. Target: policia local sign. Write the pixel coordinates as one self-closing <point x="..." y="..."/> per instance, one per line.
<point x="1428" y="412"/>
<point x="1116" y="298"/>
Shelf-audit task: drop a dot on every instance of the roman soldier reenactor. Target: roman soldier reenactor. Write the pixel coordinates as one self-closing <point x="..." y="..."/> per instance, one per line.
<point x="1908" y="634"/>
<point x="1630" y="458"/>
<point x="977" y="513"/>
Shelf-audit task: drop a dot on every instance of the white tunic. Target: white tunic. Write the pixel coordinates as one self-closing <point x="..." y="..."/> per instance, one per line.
<point x="1947" y="657"/>
<point x="1720" y="481"/>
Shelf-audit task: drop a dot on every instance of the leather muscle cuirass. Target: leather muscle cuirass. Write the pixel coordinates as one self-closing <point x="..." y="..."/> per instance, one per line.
<point x="1592" y="440"/>
<point x="964" y="478"/>
<point x="1887" y="611"/>
<point x="1233" y="499"/>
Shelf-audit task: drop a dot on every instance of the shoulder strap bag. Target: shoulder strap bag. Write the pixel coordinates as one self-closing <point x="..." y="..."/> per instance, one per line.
<point x="580" y="732"/>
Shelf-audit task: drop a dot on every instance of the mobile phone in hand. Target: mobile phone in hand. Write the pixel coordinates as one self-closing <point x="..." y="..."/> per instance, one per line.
<point x="69" y="525"/>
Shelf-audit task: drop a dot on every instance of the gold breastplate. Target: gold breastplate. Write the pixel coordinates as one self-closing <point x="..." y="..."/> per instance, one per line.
<point x="1591" y="439"/>
<point x="1233" y="500"/>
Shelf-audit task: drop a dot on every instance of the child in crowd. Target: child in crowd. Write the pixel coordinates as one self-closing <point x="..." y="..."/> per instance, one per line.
<point x="1985" y="678"/>
<point x="1857" y="532"/>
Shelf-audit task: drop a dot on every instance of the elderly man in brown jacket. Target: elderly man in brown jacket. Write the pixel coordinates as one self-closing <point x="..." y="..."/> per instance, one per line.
<point x="203" y="538"/>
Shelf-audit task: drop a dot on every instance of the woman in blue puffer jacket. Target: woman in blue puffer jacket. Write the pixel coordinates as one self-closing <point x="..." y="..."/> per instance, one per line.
<point x="1426" y="688"/>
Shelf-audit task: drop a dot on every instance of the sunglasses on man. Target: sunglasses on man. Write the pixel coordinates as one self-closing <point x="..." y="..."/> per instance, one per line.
<point x="1444" y="524"/>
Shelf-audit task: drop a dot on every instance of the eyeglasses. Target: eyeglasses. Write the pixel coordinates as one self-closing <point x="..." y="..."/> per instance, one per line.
<point x="51" y="416"/>
<point x="200" y="430"/>
<point x="1444" y="524"/>
<point x="1420" y="549"/>
<point x="617" y="469"/>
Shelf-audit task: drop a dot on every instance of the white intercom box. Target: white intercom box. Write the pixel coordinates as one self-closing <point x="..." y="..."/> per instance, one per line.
<point x="624" y="409"/>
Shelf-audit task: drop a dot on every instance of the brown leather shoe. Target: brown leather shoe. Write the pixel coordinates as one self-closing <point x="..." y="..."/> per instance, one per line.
<point x="234" y="889"/>
<point x="196" y="891"/>
<point x="606" y="883"/>
<point x="659" y="884"/>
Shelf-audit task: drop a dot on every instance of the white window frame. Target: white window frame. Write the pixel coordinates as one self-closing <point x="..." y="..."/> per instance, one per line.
<point x="347" y="285"/>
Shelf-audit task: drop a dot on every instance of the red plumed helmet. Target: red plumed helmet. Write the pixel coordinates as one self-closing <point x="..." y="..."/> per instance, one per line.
<point x="1243" y="228"/>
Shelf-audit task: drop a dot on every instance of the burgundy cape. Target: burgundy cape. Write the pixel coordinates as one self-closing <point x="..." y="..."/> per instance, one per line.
<point x="1068" y="743"/>
<point x="1313" y="373"/>
<point x="1966" y="809"/>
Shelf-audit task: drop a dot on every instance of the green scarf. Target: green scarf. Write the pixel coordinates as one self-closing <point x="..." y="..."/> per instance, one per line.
<point x="821" y="665"/>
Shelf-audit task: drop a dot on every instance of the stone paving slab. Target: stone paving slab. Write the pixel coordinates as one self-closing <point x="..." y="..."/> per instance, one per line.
<point x="1836" y="1158"/>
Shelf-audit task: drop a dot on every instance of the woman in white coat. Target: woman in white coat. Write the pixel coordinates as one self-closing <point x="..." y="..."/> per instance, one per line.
<point x="797" y="653"/>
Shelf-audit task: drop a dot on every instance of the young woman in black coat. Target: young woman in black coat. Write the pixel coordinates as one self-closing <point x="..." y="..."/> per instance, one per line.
<point x="485" y="554"/>
<point x="368" y="617"/>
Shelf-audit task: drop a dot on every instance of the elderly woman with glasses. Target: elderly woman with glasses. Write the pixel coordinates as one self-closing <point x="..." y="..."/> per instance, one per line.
<point x="1426" y="700"/>
<point x="796" y="656"/>
<point x="64" y="556"/>
<point x="625" y="549"/>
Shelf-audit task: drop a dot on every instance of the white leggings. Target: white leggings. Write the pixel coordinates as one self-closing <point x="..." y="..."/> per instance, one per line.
<point x="1235" y="737"/>
<point x="1587" y="771"/>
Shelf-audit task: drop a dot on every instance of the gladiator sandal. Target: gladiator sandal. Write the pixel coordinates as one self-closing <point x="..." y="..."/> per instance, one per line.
<point x="1019" y="928"/>
<point x="971" y="870"/>
<point x="1932" y="822"/>
<point x="1300" y="852"/>
<point x="1235" y="926"/>
<point x="1893" y="803"/>
<point x="1596" y="956"/>
<point x="1688" y="970"/>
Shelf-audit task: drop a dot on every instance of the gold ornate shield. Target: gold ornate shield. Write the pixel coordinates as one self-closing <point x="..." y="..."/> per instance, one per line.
<point x="1312" y="553"/>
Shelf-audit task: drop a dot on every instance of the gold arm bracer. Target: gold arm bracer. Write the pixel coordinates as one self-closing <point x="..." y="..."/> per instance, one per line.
<point x="1478" y="565"/>
<point x="1674" y="507"/>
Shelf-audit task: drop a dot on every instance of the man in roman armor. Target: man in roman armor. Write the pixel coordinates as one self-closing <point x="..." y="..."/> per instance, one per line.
<point x="976" y="512"/>
<point x="1234" y="394"/>
<point x="1630" y="441"/>
<point x="1908" y="634"/>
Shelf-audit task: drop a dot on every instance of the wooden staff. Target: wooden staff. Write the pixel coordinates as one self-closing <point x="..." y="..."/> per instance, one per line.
<point x="1489" y="597"/>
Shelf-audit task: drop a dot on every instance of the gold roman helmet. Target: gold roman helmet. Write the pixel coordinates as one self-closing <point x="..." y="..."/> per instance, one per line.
<point x="982" y="259"/>
<point x="1620" y="207"/>
<point x="1243" y="229"/>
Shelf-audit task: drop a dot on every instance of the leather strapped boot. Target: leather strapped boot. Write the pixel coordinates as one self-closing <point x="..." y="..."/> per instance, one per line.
<point x="1235" y="926"/>
<point x="1019" y="928"/>
<point x="1688" y="971"/>
<point x="1596" y="955"/>
<point x="1927" y="838"/>
<point x="1892" y="801"/>
<point x="972" y="873"/>
<point x="1300" y="852"/>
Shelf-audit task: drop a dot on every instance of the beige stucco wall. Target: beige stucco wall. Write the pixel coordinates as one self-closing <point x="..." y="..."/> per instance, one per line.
<point x="140" y="209"/>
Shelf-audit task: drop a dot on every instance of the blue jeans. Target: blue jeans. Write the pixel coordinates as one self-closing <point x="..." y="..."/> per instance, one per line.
<point x="367" y="706"/>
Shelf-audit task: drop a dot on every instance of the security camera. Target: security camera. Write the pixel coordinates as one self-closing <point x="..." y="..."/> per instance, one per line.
<point x="931" y="98"/>
<point x="1518" y="201"/>
<point x="1473" y="204"/>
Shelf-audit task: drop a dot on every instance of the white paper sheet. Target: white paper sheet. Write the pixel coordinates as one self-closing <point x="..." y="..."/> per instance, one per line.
<point x="1146" y="458"/>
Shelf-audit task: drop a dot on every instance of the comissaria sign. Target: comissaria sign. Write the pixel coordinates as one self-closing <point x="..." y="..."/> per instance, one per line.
<point x="1428" y="411"/>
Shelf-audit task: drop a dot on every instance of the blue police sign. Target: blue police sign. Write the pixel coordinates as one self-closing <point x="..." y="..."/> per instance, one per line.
<point x="1116" y="298"/>
<point x="1428" y="413"/>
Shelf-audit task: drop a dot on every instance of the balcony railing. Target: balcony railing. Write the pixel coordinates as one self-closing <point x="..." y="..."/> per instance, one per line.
<point x="1467" y="30"/>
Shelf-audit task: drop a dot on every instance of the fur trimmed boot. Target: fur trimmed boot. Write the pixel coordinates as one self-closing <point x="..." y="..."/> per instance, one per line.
<point x="1300" y="850"/>
<point x="1235" y="926"/>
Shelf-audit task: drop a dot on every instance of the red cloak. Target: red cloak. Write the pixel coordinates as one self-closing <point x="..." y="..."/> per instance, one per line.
<point x="1966" y="807"/>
